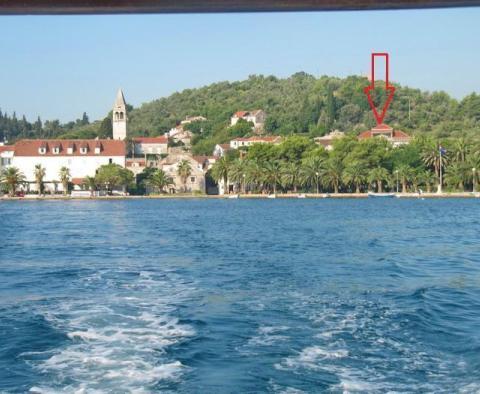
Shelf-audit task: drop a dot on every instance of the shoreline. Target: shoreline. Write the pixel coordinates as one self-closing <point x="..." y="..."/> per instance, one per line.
<point x="244" y="196"/>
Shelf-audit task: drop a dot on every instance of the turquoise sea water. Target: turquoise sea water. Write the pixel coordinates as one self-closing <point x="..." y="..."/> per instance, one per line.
<point x="240" y="296"/>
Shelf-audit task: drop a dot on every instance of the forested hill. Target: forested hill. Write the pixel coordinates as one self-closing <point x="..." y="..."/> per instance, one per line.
<point x="298" y="104"/>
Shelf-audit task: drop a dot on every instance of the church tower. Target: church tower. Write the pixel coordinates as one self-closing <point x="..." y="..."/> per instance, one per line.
<point x="119" y="121"/>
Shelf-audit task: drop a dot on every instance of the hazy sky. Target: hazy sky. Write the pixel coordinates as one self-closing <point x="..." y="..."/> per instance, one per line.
<point x="58" y="67"/>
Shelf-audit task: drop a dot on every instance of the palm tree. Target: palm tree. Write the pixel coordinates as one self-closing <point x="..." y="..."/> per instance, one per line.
<point x="428" y="179"/>
<point x="355" y="173"/>
<point x="254" y="175"/>
<point x="39" y="175"/>
<point x="11" y="177"/>
<point x="405" y="172"/>
<point x="159" y="180"/>
<point x="184" y="169"/>
<point x="432" y="158"/>
<point x="456" y="175"/>
<point x="291" y="173"/>
<point x="460" y="150"/>
<point x="64" y="178"/>
<point x="237" y="172"/>
<point x="311" y="170"/>
<point x="220" y="171"/>
<point x="332" y="173"/>
<point x="378" y="175"/>
<point x="90" y="183"/>
<point x="272" y="175"/>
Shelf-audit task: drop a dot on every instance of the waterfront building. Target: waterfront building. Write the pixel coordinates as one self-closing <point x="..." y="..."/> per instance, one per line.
<point x="6" y="155"/>
<point x="195" y="182"/>
<point x="395" y="137"/>
<point x="81" y="157"/>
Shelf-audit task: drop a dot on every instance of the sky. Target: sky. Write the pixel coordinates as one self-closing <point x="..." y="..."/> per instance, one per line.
<point x="58" y="67"/>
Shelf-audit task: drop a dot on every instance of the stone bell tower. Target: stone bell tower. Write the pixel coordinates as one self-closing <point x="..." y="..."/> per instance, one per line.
<point x="119" y="121"/>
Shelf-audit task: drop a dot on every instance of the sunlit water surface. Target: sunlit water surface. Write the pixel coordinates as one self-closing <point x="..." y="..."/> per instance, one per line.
<point x="230" y="296"/>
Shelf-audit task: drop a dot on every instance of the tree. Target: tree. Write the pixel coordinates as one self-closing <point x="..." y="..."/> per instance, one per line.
<point x="272" y="175"/>
<point x="220" y="171"/>
<point x="332" y="173"/>
<point x="428" y="179"/>
<point x="378" y="175"/>
<point x="159" y="180"/>
<point x="64" y="175"/>
<point x="114" y="175"/>
<point x="311" y="170"/>
<point x="355" y="173"/>
<point x="90" y="183"/>
<point x="330" y="110"/>
<point x="456" y="175"/>
<point x="432" y="158"/>
<point x="39" y="175"/>
<point x="237" y="172"/>
<point x="405" y="173"/>
<point x="184" y="169"/>
<point x="290" y="175"/>
<point x="11" y="177"/>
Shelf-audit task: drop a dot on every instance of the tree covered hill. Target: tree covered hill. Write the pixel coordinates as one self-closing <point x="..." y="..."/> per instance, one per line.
<point x="298" y="104"/>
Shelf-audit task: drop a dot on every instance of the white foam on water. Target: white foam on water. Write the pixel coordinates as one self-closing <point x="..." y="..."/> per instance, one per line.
<point x="117" y="340"/>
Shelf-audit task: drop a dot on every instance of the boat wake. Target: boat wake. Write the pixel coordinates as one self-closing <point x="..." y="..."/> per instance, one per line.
<point x="117" y="339"/>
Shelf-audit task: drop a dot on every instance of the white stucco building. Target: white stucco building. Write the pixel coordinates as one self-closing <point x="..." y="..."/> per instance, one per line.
<point x="6" y="155"/>
<point x="248" y="141"/>
<point x="151" y="145"/>
<point x="81" y="157"/>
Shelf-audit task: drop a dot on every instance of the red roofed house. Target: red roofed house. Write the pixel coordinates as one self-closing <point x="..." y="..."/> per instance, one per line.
<point x="248" y="141"/>
<point x="257" y="117"/>
<point x="151" y="145"/>
<point x="81" y="157"/>
<point x="395" y="137"/>
<point x="6" y="155"/>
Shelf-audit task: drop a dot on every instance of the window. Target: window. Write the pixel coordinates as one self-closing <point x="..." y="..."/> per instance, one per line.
<point x="42" y="150"/>
<point x="97" y="150"/>
<point x="56" y="150"/>
<point x="83" y="150"/>
<point x="192" y="179"/>
<point x="70" y="151"/>
<point x="110" y="161"/>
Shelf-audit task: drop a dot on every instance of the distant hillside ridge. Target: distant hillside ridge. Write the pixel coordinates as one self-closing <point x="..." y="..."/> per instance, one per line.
<point x="299" y="104"/>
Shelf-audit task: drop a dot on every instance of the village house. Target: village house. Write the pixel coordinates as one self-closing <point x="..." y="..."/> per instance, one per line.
<point x="150" y="145"/>
<point x="248" y="141"/>
<point x="6" y="155"/>
<point x="257" y="117"/>
<point x="327" y="140"/>
<point x="395" y="137"/>
<point x="221" y="150"/>
<point x="179" y="134"/>
<point x="81" y="157"/>
<point x="195" y="182"/>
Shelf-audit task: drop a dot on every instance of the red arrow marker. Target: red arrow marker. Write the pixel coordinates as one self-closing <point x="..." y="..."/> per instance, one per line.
<point x="390" y="89"/>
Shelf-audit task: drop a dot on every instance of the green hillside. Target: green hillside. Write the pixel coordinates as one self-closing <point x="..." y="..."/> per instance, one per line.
<point x="298" y="104"/>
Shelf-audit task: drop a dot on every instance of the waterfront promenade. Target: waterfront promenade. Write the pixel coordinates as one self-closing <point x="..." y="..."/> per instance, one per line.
<point x="35" y="197"/>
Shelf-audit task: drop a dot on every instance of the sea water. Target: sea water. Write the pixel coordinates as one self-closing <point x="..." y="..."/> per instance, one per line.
<point x="240" y="296"/>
